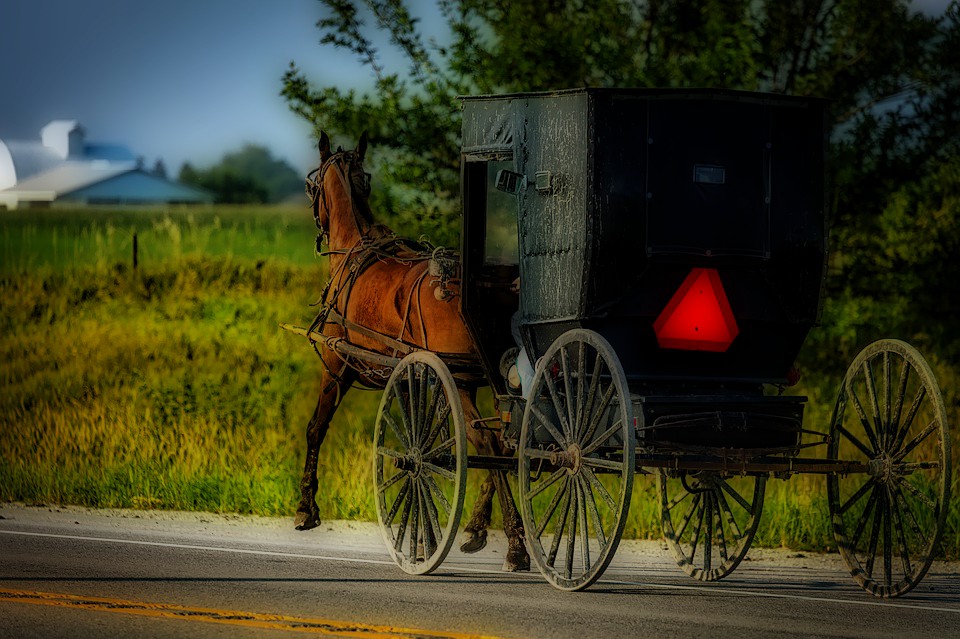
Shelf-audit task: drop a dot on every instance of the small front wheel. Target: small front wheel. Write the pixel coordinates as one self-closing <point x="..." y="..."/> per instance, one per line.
<point x="420" y="462"/>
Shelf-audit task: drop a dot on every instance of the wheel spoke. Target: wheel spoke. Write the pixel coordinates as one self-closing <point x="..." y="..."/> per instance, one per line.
<point x="708" y="539"/>
<point x="591" y="398"/>
<point x="607" y="434"/>
<point x="594" y="511"/>
<point x="731" y="520"/>
<point x="609" y="464"/>
<point x="864" y="517"/>
<point x="887" y="540"/>
<point x="389" y="452"/>
<point x="885" y="418"/>
<point x="412" y="401"/>
<point x="857" y="496"/>
<point x="695" y="541"/>
<point x="740" y="499"/>
<point x="436" y="493"/>
<point x="434" y="532"/>
<point x="584" y="533"/>
<point x="558" y="532"/>
<point x="414" y="522"/>
<point x="545" y="422"/>
<point x="581" y="388"/>
<point x="404" y="411"/>
<point x="901" y="393"/>
<point x="856" y="442"/>
<point x="429" y="419"/>
<point x="390" y="482"/>
<point x="443" y="472"/>
<point x="902" y="500"/>
<point x="599" y="487"/>
<point x="552" y="507"/>
<point x="441" y="447"/>
<point x="565" y="369"/>
<point x="395" y="427"/>
<point x="911" y="415"/>
<point x="864" y="420"/>
<point x="388" y="520"/>
<point x="902" y="542"/>
<point x="561" y="412"/>
<point x="874" y="403"/>
<point x="688" y="517"/>
<point x="716" y="496"/>
<point x="546" y="483"/>
<point x="916" y="441"/>
<point x="596" y="417"/>
<point x="572" y="536"/>
<point x="404" y="521"/>
<point x="906" y="483"/>
<point x="874" y="534"/>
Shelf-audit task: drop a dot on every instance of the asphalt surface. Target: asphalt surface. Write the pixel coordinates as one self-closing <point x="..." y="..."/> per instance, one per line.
<point x="87" y="573"/>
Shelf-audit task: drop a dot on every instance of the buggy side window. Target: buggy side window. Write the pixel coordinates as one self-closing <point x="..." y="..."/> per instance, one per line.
<point x="501" y="244"/>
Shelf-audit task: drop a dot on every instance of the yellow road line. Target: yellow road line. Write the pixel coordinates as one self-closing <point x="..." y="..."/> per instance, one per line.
<point x="231" y="617"/>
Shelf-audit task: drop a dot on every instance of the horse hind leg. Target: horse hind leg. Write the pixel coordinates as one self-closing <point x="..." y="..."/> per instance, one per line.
<point x="331" y="392"/>
<point x="517" y="558"/>
<point x="475" y="532"/>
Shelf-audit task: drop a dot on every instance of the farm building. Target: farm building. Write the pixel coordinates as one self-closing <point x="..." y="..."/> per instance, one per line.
<point x="62" y="167"/>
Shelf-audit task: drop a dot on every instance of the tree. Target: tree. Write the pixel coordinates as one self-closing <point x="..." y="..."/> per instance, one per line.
<point x="248" y="176"/>
<point x="884" y="66"/>
<point x="893" y="76"/>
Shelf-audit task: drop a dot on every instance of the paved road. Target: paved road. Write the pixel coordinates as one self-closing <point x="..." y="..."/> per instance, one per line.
<point x="78" y="573"/>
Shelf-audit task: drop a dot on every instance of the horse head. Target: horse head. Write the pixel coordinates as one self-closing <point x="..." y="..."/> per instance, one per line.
<point x="339" y="189"/>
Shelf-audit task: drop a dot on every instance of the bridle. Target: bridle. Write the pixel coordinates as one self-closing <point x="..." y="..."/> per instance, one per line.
<point x="345" y="164"/>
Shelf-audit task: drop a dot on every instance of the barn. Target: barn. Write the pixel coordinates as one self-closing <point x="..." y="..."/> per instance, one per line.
<point x="63" y="168"/>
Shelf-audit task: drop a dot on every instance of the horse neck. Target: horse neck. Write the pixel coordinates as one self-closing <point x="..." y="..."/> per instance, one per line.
<point x="345" y="226"/>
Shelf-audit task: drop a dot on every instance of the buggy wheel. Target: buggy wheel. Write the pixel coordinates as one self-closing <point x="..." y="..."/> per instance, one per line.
<point x="889" y="416"/>
<point x="708" y="520"/>
<point x="420" y="462"/>
<point x="576" y="459"/>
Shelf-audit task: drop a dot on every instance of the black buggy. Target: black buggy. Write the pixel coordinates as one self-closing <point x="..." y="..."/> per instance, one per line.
<point x="658" y="258"/>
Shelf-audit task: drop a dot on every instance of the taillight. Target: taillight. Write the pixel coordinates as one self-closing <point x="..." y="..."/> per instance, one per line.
<point x="698" y="317"/>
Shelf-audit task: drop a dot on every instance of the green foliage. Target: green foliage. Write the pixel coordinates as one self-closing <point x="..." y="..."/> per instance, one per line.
<point x="248" y="176"/>
<point x="892" y="74"/>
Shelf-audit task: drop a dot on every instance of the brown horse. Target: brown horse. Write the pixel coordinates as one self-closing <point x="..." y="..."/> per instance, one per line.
<point x="391" y="298"/>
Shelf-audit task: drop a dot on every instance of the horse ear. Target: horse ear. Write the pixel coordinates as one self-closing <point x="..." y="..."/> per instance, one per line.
<point x="324" y="146"/>
<point x="362" y="146"/>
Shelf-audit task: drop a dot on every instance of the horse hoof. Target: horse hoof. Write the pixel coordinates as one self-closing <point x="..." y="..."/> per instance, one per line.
<point x="474" y="540"/>
<point x="516" y="562"/>
<point x="306" y="521"/>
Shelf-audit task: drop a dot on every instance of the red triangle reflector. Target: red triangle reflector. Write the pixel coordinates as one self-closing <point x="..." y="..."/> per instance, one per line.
<point x="698" y="316"/>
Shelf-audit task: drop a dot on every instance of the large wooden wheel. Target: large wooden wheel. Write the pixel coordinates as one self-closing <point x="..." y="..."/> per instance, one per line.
<point x="889" y="416"/>
<point x="709" y="520"/>
<point x="576" y="459"/>
<point x="420" y="463"/>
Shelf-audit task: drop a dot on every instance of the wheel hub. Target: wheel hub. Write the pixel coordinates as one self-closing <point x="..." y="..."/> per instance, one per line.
<point x="412" y="462"/>
<point x="881" y="468"/>
<point x="571" y="459"/>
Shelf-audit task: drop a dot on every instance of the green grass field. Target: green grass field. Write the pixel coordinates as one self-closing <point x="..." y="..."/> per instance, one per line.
<point x="172" y="386"/>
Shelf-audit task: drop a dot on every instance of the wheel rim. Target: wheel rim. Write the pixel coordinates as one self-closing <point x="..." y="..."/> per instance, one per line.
<point x="890" y="416"/>
<point x="709" y="521"/>
<point x="420" y="460"/>
<point x="576" y="460"/>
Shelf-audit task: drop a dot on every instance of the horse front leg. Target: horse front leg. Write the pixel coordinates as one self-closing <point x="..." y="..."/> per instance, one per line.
<point x="331" y="392"/>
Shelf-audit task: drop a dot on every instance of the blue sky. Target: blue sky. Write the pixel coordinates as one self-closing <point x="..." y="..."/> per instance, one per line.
<point x="181" y="80"/>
